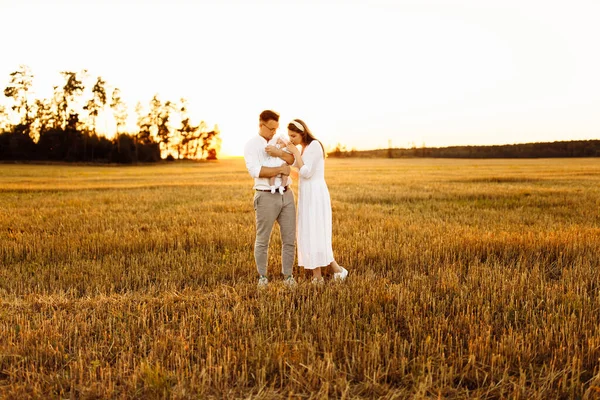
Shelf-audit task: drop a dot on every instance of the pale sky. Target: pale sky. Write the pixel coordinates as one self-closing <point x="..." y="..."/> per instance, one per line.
<point x="359" y="73"/>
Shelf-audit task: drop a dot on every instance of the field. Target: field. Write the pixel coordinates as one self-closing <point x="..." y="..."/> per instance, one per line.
<point x="468" y="278"/>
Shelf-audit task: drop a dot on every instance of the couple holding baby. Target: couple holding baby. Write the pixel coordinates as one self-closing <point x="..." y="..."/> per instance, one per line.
<point x="274" y="201"/>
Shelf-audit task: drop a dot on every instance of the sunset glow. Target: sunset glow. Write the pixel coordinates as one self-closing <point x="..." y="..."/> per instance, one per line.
<point x="360" y="73"/>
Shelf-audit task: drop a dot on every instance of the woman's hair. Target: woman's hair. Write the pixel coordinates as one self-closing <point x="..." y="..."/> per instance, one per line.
<point x="299" y="126"/>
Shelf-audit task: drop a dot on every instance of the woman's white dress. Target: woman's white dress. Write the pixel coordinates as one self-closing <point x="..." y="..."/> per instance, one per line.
<point x="314" y="211"/>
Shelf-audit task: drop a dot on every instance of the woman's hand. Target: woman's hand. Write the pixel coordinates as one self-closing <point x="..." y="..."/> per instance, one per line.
<point x="293" y="149"/>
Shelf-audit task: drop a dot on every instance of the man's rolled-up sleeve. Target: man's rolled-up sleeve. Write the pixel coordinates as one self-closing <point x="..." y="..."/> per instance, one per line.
<point x="252" y="163"/>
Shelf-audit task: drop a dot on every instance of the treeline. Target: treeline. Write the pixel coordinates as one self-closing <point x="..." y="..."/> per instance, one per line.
<point x="65" y="126"/>
<point x="574" y="148"/>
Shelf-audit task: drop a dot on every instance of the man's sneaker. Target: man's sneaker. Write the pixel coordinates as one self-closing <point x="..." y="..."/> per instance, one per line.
<point x="318" y="281"/>
<point x="340" y="276"/>
<point x="289" y="281"/>
<point x="262" y="281"/>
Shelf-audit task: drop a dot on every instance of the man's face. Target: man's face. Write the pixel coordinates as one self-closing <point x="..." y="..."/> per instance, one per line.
<point x="268" y="128"/>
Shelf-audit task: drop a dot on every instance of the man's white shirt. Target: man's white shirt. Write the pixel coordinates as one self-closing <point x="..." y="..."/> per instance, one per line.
<point x="255" y="157"/>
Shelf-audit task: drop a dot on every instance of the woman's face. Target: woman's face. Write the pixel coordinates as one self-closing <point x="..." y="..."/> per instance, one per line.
<point x="295" y="137"/>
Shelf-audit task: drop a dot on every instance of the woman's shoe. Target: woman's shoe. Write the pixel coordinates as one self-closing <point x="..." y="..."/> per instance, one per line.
<point x="318" y="281"/>
<point x="340" y="276"/>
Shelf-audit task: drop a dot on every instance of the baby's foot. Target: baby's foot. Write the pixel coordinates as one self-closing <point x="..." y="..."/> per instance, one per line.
<point x="273" y="189"/>
<point x="281" y="190"/>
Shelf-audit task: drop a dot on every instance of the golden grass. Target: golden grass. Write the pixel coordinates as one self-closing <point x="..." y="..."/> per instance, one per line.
<point x="470" y="278"/>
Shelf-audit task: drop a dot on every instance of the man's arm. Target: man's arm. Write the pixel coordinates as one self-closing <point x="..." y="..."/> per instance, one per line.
<point x="287" y="157"/>
<point x="268" y="172"/>
<point x="275" y="152"/>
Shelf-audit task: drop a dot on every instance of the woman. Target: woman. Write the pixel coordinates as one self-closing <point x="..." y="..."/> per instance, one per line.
<point x="313" y="224"/>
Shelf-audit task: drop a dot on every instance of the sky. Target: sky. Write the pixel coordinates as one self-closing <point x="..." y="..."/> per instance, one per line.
<point x="365" y="74"/>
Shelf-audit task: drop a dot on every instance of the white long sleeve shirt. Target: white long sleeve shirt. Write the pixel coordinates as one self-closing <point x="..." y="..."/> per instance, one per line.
<point x="255" y="157"/>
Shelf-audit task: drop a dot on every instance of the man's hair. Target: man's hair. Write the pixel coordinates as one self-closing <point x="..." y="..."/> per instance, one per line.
<point x="268" y="115"/>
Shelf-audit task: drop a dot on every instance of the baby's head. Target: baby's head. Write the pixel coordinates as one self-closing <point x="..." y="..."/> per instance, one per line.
<point x="283" y="139"/>
<point x="281" y="142"/>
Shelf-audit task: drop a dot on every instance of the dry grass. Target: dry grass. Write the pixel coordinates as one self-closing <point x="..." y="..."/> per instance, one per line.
<point x="468" y="279"/>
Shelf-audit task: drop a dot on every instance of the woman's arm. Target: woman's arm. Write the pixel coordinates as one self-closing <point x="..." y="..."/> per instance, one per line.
<point x="295" y="153"/>
<point x="297" y="156"/>
<point x="306" y="162"/>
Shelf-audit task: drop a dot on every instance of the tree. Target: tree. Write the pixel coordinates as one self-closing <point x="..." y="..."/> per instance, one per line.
<point x="44" y="118"/>
<point x="159" y="119"/>
<point x="338" y="151"/>
<point x="18" y="89"/>
<point x="119" y="109"/>
<point x="55" y="107"/>
<point x="208" y="139"/>
<point x="94" y="106"/>
<point x="215" y="144"/>
<point x="154" y="114"/>
<point x="164" y="126"/>
<point x="73" y="87"/>
<point x="144" y="124"/>
<point x="97" y="102"/>
<point x="212" y="154"/>
<point x="194" y="141"/>
<point x="4" y="122"/>
<point x="64" y="135"/>
<point x="186" y="132"/>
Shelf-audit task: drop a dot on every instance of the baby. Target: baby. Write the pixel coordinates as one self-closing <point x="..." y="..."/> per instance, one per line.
<point x="280" y="142"/>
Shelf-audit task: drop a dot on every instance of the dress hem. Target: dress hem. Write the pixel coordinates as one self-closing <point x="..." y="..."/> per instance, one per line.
<point x="315" y="267"/>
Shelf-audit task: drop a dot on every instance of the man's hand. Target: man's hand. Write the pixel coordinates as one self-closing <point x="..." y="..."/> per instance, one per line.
<point x="273" y="151"/>
<point x="285" y="169"/>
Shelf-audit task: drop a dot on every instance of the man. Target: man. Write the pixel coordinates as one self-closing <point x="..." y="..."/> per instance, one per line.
<point x="270" y="207"/>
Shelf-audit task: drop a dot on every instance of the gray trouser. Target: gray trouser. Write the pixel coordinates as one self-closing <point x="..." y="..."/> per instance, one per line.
<point x="269" y="208"/>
